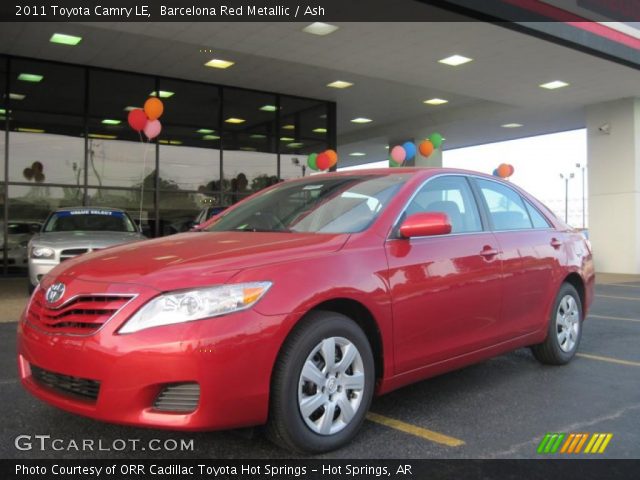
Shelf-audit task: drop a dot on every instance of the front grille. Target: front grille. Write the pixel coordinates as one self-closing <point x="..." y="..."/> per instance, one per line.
<point x="72" y="252"/>
<point x="178" y="397"/>
<point x="75" y="386"/>
<point x="83" y="315"/>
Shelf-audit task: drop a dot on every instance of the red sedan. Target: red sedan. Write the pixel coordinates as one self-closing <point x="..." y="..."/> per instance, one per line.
<point x="294" y="307"/>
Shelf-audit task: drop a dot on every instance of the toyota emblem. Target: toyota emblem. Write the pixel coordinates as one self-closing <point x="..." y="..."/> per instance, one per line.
<point x="54" y="292"/>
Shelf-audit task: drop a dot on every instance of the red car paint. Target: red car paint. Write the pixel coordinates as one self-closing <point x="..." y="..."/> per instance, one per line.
<point x="439" y="303"/>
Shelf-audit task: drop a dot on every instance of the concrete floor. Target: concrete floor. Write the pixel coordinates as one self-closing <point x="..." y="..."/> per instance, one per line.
<point x="500" y="408"/>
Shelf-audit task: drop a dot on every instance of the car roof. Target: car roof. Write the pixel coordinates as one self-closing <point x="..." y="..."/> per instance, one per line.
<point x="66" y="209"/>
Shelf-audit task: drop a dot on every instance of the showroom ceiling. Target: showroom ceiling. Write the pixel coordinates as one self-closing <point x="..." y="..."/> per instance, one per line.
<point x="394" y="67"/>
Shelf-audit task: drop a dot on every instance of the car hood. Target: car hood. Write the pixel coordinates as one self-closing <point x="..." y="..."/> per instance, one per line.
<point x="84" y="239"/>
<point x="196" y="258"/>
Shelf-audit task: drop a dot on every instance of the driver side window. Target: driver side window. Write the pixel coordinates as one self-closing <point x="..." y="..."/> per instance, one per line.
<point x="451" y="195"/>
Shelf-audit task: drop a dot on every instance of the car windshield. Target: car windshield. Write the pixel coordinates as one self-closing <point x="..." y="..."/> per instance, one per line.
<point x="331" y="204"/>
<point x="89" y="220"/>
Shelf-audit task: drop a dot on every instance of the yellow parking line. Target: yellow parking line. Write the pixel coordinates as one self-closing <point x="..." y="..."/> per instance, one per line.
<point x="414" y="430"/>
<point x="607" y="317"/>
<point x="608" y="359"/>
<point x="619" y="298"/>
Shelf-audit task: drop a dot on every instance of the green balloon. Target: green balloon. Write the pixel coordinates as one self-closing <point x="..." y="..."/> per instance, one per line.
<point x="311" y="161"/>
<point x="393" y="163"/>
<point x="436" y="139"/>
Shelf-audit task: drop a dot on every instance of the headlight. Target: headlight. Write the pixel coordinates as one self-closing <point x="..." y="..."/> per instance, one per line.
<point x="188" y="305"/>
<point x="42" y="252"/>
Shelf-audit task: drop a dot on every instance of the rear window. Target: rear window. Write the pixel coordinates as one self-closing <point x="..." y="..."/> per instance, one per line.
<point x="89" y="220"/>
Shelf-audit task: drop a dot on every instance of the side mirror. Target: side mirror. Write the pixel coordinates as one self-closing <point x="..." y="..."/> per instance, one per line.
<point x="425" y="225"/>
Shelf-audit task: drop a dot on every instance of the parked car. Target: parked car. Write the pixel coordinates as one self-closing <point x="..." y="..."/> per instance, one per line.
<point x="69" y="232"/>
<point x="294" y="307"/>
<point x="207" y="212"/>
<point x="18" y="234"/>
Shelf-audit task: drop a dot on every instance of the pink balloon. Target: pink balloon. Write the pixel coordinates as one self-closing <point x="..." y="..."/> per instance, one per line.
<point x="398" y="154"/>
<point x="152" y="129"/>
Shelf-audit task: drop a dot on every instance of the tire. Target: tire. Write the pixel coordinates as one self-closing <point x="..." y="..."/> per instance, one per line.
<point x="316" y="430"/>
<point x="565" y="329"/>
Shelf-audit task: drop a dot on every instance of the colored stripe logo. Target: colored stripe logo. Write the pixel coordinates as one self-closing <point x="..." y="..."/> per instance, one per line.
<point x="574" y="443"/>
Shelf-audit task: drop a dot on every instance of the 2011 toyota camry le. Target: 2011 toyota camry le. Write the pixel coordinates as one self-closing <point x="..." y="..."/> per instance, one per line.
<point x="294" y="307"/>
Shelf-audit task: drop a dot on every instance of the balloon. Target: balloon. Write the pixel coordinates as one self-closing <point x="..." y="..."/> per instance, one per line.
<point x="333" y="157"/>
<point x="152" y="129"/>
<point x="311" y="161"/>
<point x="323" y="161"/>
<point x="393" y="164"/>
<point x="511" y="170"/>
<point x="426" y="148"/>
<point x="39" y="177"/>
<point x="137" y="119"/>
<point x="410" y="150"/>
<point x="436" y="139"/>
<point x="503" y="170"/>
<point x="398" y="154"/>
<point x="153" y="107"/>
<point x="495" y="172"/>
<point x="37" y="167"/>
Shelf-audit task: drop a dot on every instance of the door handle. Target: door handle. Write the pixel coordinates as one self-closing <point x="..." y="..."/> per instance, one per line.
<point x="488" y="252"/>
<point x="555" y="243"/>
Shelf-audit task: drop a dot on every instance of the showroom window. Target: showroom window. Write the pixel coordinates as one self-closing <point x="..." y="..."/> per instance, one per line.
<point x="70" y="144"/>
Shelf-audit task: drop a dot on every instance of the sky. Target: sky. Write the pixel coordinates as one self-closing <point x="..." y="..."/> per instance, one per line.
<point x="537" y="161"/>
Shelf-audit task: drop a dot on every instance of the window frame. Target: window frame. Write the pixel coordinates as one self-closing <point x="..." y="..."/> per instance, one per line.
<point x="394" y="233"/>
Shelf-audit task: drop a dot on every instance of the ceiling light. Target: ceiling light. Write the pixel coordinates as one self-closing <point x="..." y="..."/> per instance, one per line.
<point x="102" y="136"/>
<point x="30" y="130"/>
<point x="218" y="63"/>
<point x="295" y="145"/>
<point x="289" y="127"/>
<point x="235" y="120"/>
<point x="319" y="130"/>
<point x="320" y="28"/>
<point x="110" y="121"/>
<point x="455" y="60"/>
<point x="248" y="149"/>
<point x="175" y="142"/>
<point x="163" y="94"/>
<point x="554" y="84"/>
<point x="130" y="108"/>
<point x="17" y="96"/>
<point x="511" y="125"/>
<point x="64" y="39"/>
<point x="340" y="84"/>
<point x="287" y="139"/>
<point x="211" y="137"/>
<point x="30" y="77"/>
<point x="257" y="136"/>
<point x="357" y="154"/>
<point x="205" y="130"/>
<point x="2" y="111"/>
<point x="361" y="120"/>
<point x="268" y="108"/>
<point x="436" y="101"/>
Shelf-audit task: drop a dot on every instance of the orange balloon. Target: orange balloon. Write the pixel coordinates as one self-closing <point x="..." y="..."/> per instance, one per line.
<point x="333" y="157"/>
<point x="426" y="148"/>
<point x="153" y="107"/>
<point x="503" y="170"/>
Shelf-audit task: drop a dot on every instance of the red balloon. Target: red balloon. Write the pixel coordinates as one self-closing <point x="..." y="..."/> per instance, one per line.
<point x="323" y="161"/>
<point x="137" y="119"/>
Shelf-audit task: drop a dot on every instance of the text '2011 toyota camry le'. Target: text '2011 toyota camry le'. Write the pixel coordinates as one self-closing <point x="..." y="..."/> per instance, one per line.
<point x="295" y="306"/>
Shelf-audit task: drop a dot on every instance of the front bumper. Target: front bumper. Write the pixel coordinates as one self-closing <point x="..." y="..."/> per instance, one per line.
<point x="39" y="268"/>
<point x="230" y="357"/>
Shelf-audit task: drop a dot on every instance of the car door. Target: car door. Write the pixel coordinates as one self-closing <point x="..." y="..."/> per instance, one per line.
<point x="530" y="248"/>
<point x="446" y="290"/>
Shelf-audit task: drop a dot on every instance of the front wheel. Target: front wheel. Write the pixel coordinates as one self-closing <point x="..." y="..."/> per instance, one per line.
<point x="322" y="384"/>
<point x="565" y="329"/>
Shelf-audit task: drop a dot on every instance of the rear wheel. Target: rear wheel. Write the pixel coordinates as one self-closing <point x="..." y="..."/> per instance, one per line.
<point x="322" y="384"/>
<point x="565" y="329"/>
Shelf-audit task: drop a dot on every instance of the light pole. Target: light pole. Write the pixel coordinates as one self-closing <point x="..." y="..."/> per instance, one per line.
<point x="583" y="209"/>
<point x="566" y="179"/>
